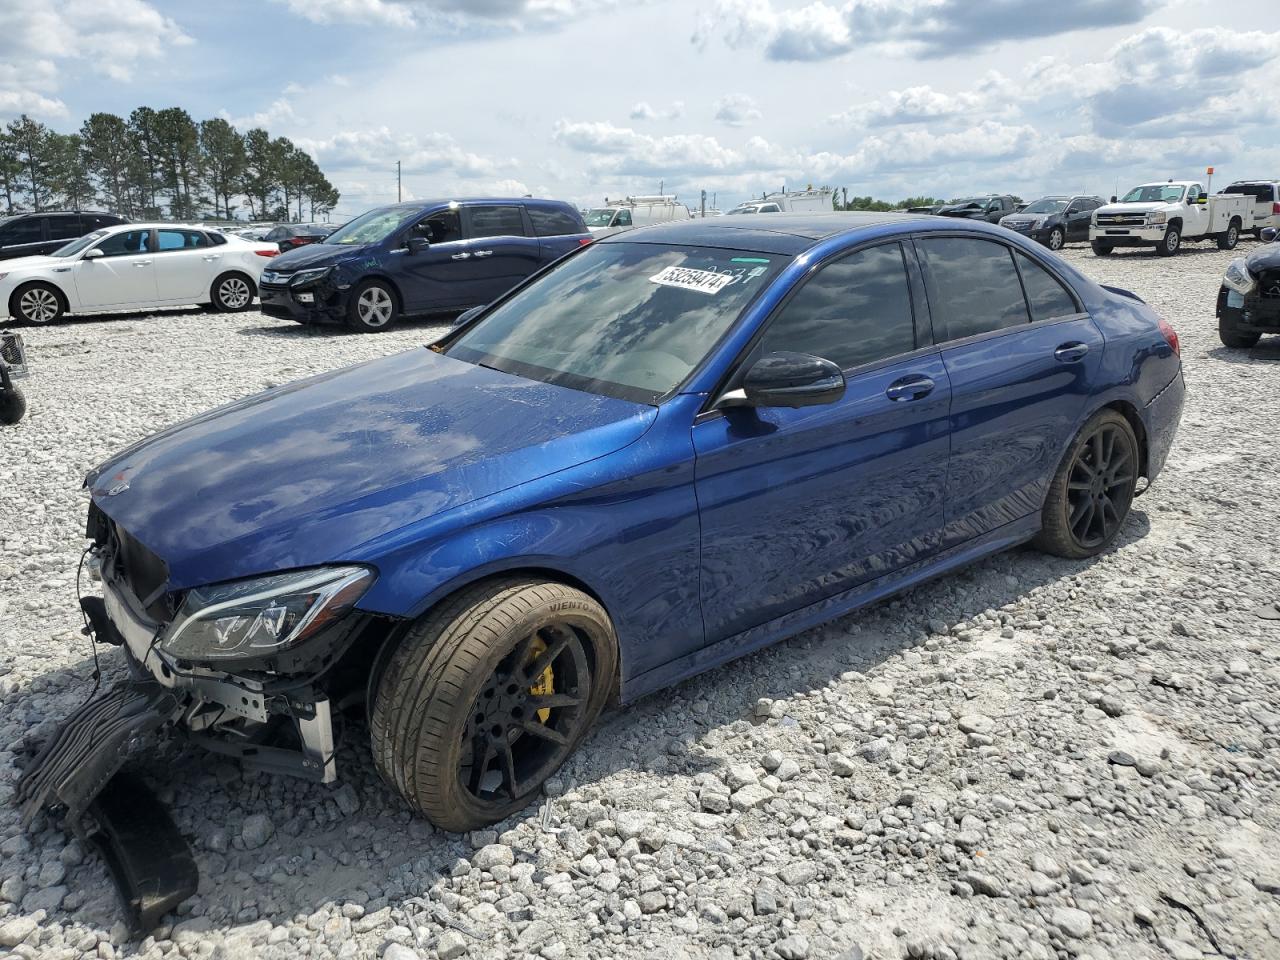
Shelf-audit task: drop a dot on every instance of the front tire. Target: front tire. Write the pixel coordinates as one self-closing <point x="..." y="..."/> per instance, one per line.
<point x="1231" y="335"/>
<point x="1057" y="239"/>
<point x="1092" y="490"/>
<point x="232" y="292"/>
<point x="36" y="304"/>
<point x="488" y="695"/>
<point x="373" y="306"/>
<point x="1101" y="249"/>
<point x="1171" y="243"/>
<point x="13" y="405"/>
<point x="1228" y="240"/>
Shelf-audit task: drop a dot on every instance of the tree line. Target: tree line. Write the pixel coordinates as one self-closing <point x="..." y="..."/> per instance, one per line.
<point x="160" y="163"/>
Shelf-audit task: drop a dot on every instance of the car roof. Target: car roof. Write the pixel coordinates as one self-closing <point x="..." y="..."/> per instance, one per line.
<point x="789" y="233"/>
<point x="409" y="206"/>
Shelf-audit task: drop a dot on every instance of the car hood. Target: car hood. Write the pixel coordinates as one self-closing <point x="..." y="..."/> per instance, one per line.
<point x="33" y="263"/>
<point x="309" y="472"/>
<point x="317" y="255"/>
<point x="1265" y="257"/>
<point x="960" y="210"/>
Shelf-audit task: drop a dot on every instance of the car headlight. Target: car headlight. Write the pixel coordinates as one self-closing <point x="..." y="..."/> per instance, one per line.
<point x="263" y="615"/>
<point x="1238" y="277"/>
<point x="1037" y="223"/>
<point x="1157" y="216"/>
<point x="310" y="276"/>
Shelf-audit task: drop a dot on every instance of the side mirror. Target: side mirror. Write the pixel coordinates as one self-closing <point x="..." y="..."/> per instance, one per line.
<point x="1268" y="234"/>
<point x="792" y="380"/>
<point x="1113" y="198"/>
<point x="416" y="244"/>
<point x="1203" y="198"/>
<point x="93" y="254"/>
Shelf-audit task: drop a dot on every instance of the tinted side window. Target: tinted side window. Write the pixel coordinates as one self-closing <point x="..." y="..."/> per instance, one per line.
<point x="553" y="223"/>
<point x="24" y="231"/>
<point x="1048" y="297"/>
<point x="854" y="311"/>
<point x="495" y="221"/>
<point x="64" y="227"/>
<point x="444" y="226"/>
<point x="622" y="219"/>
<point x="124" y="244"/>
<point x="973" y="286"/>
<point x="181" y="239"/>
<point x="216" y="239"/>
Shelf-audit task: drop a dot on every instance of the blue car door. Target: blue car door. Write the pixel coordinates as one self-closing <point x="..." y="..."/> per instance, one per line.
<point x="502" y="253"/>
<point x="442" y="276"/>
<point x="1023" y="359"/>
<point x="798" y="505"/>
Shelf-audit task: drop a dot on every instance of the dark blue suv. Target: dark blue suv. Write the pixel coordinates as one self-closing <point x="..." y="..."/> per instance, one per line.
<point x="428" y="256"/>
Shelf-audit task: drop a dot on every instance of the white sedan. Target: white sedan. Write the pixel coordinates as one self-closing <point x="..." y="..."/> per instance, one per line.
<point x="131" y="267"/>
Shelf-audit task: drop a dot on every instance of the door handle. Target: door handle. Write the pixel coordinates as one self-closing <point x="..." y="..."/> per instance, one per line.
<point x="484" y="253"/>
<point x="1071" y="352"/>
<point x="142" y="263"/>
<point x="460" y="256"/>
<point x="212" y="256"/>
<point x="911" y="387"/>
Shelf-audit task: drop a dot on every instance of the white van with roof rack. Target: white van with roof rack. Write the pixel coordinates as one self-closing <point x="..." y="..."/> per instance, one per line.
<point x="617" y="216"/>
<point x="793" y="201"/>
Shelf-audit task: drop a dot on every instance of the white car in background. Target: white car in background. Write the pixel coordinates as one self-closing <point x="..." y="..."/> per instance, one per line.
<point x="134" y="266"/>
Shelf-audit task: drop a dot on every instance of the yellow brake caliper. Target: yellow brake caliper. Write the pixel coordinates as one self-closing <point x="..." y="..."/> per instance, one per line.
<point x="546" y="684"/>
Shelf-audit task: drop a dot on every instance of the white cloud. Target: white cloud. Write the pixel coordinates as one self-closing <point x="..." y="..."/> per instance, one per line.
<point x="110" y="36"/>
<point x="823" y="30"/>
<point x="736" y="110"/>
<point x="642" y="111"/>
<point x="455" y="14"/>
<point x="381" y="148"/>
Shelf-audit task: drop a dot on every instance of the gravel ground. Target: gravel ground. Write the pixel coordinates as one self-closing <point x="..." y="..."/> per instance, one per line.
<point x="1034" y="758"/>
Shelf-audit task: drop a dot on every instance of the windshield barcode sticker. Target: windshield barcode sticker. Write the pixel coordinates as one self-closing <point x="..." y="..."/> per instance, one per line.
<point x="703" y="281"/>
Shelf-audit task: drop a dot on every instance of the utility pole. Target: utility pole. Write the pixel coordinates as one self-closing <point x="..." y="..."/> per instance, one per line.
<point x="399" y="197"/>
<point x="704" y="204"/>
<point x="661" y="184"/>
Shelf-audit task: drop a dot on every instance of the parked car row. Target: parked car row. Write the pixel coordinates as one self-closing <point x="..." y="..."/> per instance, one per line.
<point x="134" y="265"/>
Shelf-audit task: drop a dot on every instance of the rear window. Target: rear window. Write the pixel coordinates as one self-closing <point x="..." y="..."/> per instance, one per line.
<point x="550" y="222"/>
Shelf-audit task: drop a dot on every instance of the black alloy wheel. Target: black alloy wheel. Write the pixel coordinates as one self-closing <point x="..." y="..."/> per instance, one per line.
<point x="526" y="717"/>
<point x="1100" y="489"/>
<point x="1091" y="492"/>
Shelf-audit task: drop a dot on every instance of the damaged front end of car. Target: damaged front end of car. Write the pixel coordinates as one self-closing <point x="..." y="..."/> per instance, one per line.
<point x="252" y="669"/>
<point x="1250" y="295"/>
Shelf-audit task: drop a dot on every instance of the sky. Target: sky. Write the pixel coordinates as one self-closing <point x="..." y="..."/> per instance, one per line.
<point x="587" y="99"/>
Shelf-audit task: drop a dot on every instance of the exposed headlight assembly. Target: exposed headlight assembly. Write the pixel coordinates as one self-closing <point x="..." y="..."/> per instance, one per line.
<point x="1238" y="277"/>
<point x="263" y="615"/>
<point x="1157" y="216"/>
<point x="310" y="276"/>
<point x="1037" y="223"/>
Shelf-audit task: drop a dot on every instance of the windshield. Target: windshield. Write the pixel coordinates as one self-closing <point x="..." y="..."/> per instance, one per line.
<point x="742" y="210"/>
<point x="372" y="227"/>
<point x="75" y="246"/>
<point x="599" y="217"/>
<point x="627" y="320"/>
<point x="1153" y="193"/>
<point x="1046" y="205"/>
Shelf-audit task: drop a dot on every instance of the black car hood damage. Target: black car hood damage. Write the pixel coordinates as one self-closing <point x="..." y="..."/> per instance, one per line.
<point x="1265" y="257"/>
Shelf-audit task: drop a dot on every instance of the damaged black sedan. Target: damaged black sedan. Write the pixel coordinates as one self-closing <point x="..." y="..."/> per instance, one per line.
<point x="1249" y="300"/>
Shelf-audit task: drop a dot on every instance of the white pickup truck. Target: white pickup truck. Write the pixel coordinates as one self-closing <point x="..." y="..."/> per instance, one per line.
<point x="1163" y="215"/>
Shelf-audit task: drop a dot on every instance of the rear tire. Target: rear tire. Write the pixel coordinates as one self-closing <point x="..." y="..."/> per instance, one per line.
<point x="1092" y="490"/>
<point x="1228" y="240"/>
<point x="373" y="306"/>
<point x="36" y="304"/>
<point x="1171" y="243"/>
<point x="1101" y="249"/>
<point x="514" y="671"/>
<point x="232" y="292"/>
<point x="1057" y="239"/>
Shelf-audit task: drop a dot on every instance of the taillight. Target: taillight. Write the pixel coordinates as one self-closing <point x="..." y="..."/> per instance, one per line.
<point x="583" y="241"/>
<point x="1171" y="336"/>
<point x="1275" y="209"/>
<point x="266" y="253"/>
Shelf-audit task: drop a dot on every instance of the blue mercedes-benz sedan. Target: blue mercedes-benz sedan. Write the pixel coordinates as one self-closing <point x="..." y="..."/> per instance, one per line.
<point x="668" y="449"/>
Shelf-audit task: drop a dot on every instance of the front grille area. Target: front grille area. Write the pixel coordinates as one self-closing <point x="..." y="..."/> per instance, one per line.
<point x="1121" y="219"/>
<point x="143" y="571"/>
<point x="1269" y="284"/>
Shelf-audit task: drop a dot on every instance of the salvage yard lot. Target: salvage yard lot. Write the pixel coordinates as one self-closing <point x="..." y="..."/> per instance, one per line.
<point x="1032" y="758"/>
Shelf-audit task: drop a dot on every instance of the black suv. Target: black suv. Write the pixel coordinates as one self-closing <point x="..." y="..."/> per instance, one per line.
<point x="33" y="234"/>
<point x="989" y="207"/>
